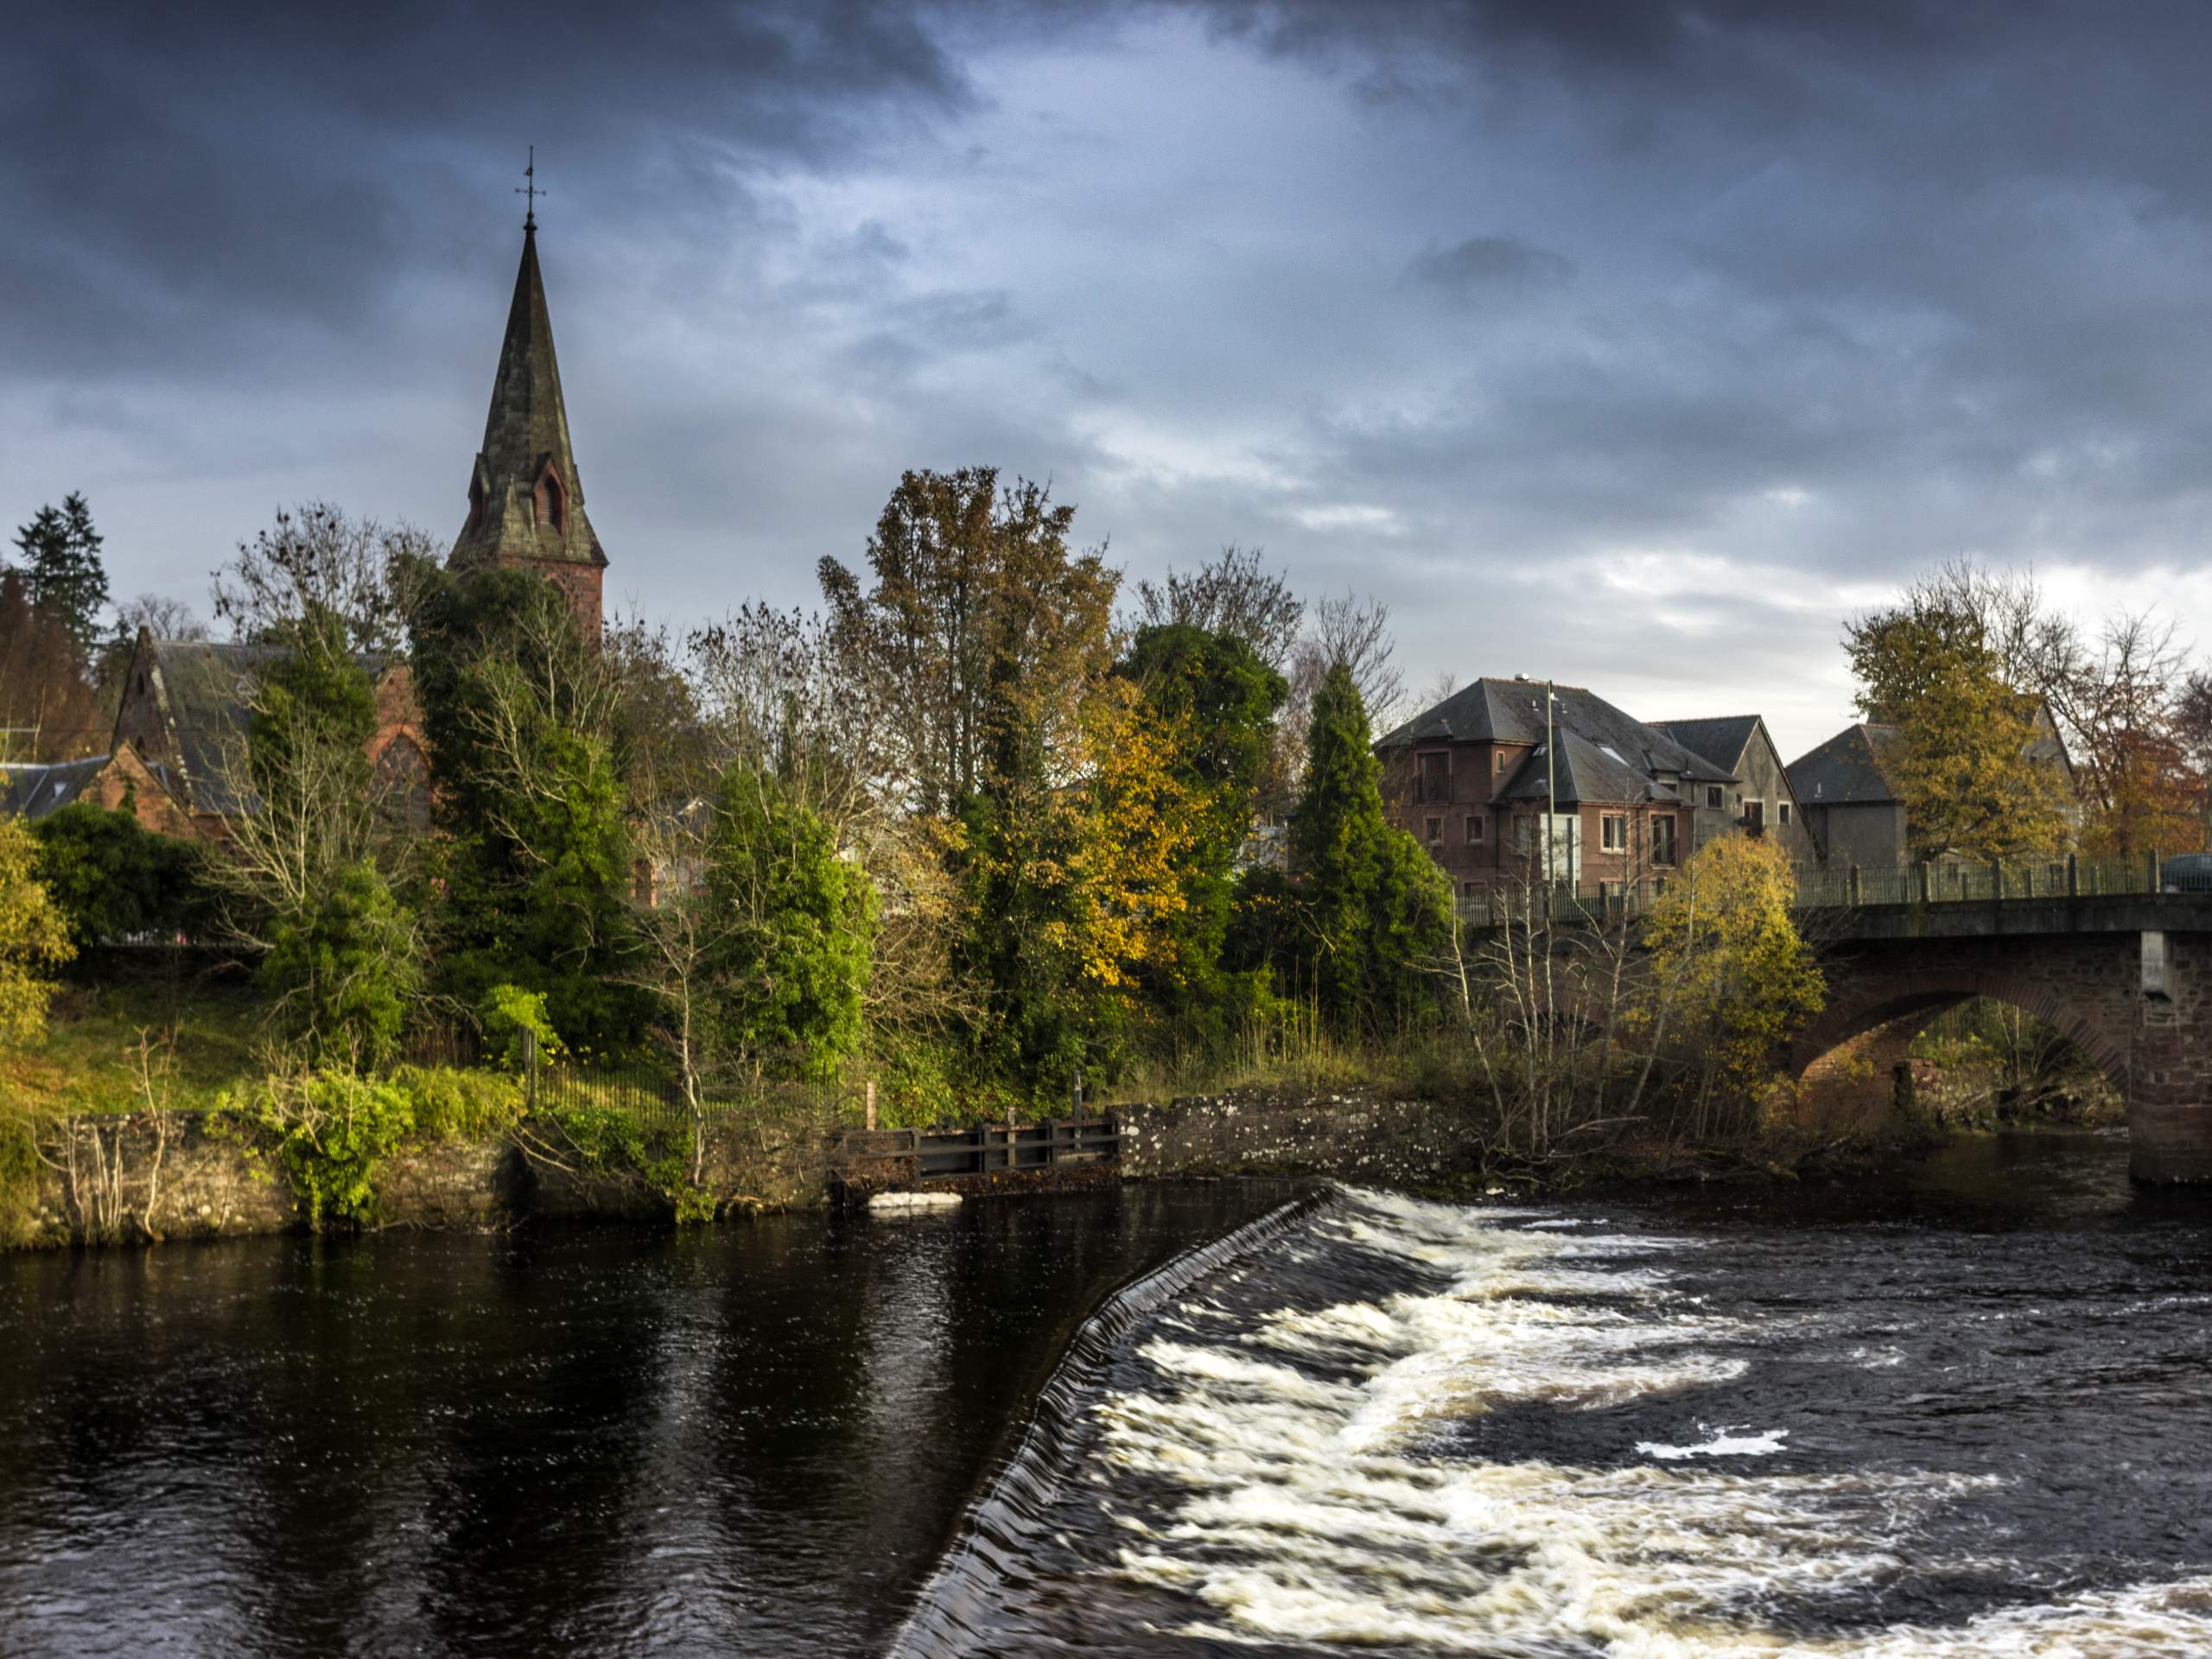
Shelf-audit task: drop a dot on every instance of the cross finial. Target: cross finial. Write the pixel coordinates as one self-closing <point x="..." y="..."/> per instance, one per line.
<point x="529" y="190"/>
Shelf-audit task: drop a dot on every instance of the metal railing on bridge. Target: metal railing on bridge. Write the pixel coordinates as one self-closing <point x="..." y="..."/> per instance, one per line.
<point x="1835" y="886"/>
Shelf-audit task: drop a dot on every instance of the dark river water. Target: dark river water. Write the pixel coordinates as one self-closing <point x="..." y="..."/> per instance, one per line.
<point x="1962" y="1409"/>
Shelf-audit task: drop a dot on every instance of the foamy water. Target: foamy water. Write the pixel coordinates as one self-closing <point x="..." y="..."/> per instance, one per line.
<point x="1328" y="1448"/>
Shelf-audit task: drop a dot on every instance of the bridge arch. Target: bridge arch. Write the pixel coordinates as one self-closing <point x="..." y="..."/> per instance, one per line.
<point x="1899" y="1006"/>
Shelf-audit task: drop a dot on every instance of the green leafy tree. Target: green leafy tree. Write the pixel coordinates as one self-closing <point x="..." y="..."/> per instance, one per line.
<point x="115" y="880"/>
<point x="1217" y="698"/>
<point x="1370" y="907"/>
<point x="62" y="569"/>
<point x="792" y="966"/>
<point x="346" y="970"/>
<point x="537" y="864"/>
<point x="34" y="937"/>
<point x="341" y="961"/>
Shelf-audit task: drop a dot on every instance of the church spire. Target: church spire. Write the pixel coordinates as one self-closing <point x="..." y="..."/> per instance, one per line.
<point x="525" y="498"/>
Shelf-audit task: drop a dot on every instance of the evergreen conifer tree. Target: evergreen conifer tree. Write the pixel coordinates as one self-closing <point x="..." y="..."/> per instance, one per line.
<point x="62" y="569"/>
<point x="1372" y="905"/>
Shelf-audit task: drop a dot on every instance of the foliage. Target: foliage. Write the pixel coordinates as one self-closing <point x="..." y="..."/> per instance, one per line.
<point x="34" y="938"/>
<point x="334" y="1130"/>
<point x="1727" y="957"/>
<point x="792" y="966"/>
<point x="63" y="575"/>
<point x="537" y="861"/>
<point x="509" y="1017"/>
<point x="451" y="1104"/>
<point x="1963" y="759"/>
<point x="1215" y="699"/>
<point x="1369" y="909"/>
<point x="114" y="878"/>
<point x="342" y="970"/>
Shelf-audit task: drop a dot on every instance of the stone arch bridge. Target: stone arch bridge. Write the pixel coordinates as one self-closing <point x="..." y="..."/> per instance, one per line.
<point x="2128" y="977"/>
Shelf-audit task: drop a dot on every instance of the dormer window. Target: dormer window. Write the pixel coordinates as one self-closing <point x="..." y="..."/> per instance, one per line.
<point x="475" y="500"/>
<point x="552" y="497"/>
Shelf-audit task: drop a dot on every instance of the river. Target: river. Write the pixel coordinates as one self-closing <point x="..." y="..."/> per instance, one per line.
<point x="1964" y="1408"/>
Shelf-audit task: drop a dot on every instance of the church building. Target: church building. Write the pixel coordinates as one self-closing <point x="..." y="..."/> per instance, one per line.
<point x="181" y="729"/>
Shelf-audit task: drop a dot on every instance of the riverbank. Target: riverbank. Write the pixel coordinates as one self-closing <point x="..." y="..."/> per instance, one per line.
<point x="126" y="1178"/>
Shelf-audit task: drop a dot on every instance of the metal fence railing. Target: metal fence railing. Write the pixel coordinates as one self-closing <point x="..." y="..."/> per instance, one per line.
<point x="1834" y="886"/>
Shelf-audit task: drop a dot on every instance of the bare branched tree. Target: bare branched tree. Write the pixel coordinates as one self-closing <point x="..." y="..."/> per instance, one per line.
<point x="318" y="555"/>
<point x="1231" y="594"/>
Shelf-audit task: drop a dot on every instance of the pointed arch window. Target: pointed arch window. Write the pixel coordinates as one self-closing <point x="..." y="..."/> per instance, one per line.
<point x="552" y="497"/>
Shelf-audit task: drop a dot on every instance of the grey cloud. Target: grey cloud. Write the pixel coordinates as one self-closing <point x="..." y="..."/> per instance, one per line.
<point x="1488" y="262"/>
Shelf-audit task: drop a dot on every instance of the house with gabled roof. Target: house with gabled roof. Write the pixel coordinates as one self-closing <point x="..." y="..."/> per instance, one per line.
<point x="1477" y="777"/>
<point x="1760" y="801"/>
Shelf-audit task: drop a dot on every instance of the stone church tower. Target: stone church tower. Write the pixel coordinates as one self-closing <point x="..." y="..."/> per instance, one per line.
<point x="526" y="500"/>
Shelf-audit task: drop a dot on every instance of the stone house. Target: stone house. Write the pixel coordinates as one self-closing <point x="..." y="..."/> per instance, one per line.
<point x="1760" y="801"/>
<point x="1471" y="779"/>
<point x="1848" y="790"/>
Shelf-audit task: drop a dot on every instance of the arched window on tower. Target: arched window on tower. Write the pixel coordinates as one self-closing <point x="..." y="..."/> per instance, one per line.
<point x="552" y="497"/>
<point x="475" y="500"/>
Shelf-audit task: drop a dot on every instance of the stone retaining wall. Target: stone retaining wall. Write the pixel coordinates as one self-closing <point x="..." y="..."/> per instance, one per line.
<point x="1351" y="1136"/>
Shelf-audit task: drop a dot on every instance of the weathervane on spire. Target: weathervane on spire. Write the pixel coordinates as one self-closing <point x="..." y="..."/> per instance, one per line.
<point x="529" y="189"/>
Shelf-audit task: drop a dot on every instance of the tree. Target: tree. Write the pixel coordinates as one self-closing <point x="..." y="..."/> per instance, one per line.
<point x="985" y="630"/>
<point x="1215" y="698"/>
<point x="62" y="571"/>
<point x="536" y="861"/>
<point x="1370" y="907"/>
<point x="1232" y="595"/>
<point x="1962" y="755"/>
<point x="34" y="937"/>
<point x="1726" y="951"/>
<point x="793" y="964"/>
<point x="317" y="557"/>
<point x="111" y="879"/>
<point x="310" y="865"/>
<point x="46" y="703"/>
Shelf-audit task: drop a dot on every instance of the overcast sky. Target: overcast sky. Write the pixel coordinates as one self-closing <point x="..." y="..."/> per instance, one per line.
<point x="1633" y="344"/>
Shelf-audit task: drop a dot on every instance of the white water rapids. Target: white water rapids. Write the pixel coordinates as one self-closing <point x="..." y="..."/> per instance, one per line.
<point x="1292" y="1456"/>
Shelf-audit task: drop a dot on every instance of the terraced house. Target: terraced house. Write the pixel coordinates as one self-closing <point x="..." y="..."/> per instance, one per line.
<point x="1594" y="798"/>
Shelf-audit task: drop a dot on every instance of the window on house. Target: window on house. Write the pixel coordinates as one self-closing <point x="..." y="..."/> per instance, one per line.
<point x="1613" y="833"/>
<point x="1712" y="796"/>
<point x="1471" y="889"/>
<point x="1662" y="841"/>
<point x="1755" y="815"/>
<point x="1524" y="835"/>
<point x="1474" y="830"/>
<point x="1435" y="831"/>
<point x="1782" y="814"/>
<point x="1497" y="761"/>
<point x="1433" y="781"/>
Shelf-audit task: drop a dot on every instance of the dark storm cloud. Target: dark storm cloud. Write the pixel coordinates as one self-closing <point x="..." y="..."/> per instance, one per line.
<point x="191" y="176"/>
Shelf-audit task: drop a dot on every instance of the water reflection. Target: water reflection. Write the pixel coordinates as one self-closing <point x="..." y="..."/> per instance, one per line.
<point x="752" y="1440"/>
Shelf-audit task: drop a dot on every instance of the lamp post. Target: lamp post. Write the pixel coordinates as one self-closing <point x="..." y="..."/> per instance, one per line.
<point x="1551" y="791"/>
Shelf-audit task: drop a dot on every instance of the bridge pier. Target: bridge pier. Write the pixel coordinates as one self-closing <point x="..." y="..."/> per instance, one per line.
<point x="2169" y="1080"/>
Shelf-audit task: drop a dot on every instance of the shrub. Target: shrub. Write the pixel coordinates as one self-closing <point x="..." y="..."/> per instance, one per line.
<point x="334" y="1130"/>
<point x="112" y="878"/>
<point x="344" y="968"/>
<point x="509" y="1015"/>
<point x="452" y="1104"/>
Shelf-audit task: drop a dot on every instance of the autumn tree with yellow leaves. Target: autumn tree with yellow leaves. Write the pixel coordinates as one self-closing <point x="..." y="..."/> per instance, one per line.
<point x="1731" y="979"/>
<point x="34" y="937"/>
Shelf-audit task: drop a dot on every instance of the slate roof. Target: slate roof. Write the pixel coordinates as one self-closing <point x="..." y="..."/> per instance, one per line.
<point x="1720" y="739"/>
<point x="1847" y="770"/>
<point x="208" y="687"/>
<point x="1605" y="746"/>
<point x="32" y="791"/>
<point x="1584" y="772"/>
